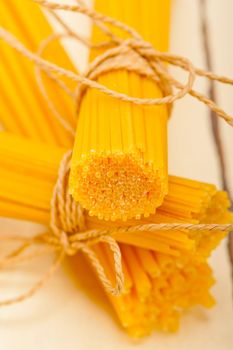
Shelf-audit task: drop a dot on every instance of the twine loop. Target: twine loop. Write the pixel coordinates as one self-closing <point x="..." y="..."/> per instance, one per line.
<point x="65" y="243"/>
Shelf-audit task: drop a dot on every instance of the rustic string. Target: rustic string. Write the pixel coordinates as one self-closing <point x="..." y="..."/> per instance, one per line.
<point x="68" y="232"/>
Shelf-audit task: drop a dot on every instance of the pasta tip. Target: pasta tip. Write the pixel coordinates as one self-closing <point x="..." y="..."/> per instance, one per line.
<point x="116" y="186"/>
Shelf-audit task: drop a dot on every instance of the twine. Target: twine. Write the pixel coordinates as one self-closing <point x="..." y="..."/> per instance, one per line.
<point x="68" y="231"/>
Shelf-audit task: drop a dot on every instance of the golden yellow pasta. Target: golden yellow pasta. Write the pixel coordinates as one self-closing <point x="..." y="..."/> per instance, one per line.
<point x="165" y="271"/>
<point x="119" y="163"/>
<point x="29" y="171"/>
<point x="23" y="108"/>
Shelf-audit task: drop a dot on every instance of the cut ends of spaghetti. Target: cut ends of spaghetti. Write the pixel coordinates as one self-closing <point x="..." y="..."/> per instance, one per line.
<point x="117" y="185"/>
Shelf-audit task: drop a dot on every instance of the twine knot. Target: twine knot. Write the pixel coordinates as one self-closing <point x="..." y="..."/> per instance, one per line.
<point x="65" y="243"/>
<point x="138" y="56"/>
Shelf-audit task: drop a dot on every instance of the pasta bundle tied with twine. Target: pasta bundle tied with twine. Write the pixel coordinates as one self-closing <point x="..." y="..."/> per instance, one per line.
<point x="72" y="229"/>
<point x="135" y="55"/>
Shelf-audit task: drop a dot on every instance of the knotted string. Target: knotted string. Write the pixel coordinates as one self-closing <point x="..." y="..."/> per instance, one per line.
<point x="68" y="232"/>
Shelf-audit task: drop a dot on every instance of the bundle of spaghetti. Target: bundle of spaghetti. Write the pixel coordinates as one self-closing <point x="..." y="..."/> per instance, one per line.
<point x="119" y="163"/>
<point x="29" y="171"/>
<point x="157" y="291"/>
<point x="23" y="107"/>
<point x="161" y="290"/>
<point x="169" y="276"/>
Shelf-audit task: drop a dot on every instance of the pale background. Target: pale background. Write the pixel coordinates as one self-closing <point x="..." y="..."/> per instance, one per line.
<point x="63" y="315"/>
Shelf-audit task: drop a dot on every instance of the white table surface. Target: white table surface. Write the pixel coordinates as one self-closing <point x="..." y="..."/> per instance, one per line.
<point x="71" y="312"/>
